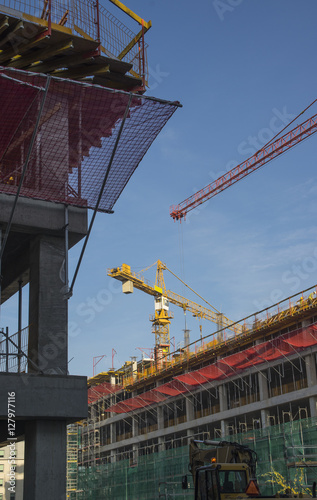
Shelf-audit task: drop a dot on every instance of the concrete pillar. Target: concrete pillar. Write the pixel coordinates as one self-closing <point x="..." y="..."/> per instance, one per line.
<point x="313" y="406"/>
<point x="189" y="409"/>
<point x="263" y="386"/>
<point x="160" y="417"/>
<point x="135" y="427"/>
<point x="223" y="402"/>
<point x="45" y="460"/>
<point x="264" y="418"/>
<point x="224" y="430"/>
<point x="161" y="443"/>
<point x="113" y="438"/>
<point x="311" y="370"/>
<point x="190" y="434"/>
<point x="311" y="381"/>
<point x="47" y="306"/>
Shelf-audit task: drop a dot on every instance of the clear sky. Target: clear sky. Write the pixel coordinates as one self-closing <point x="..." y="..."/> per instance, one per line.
<point x="242" y="69"/>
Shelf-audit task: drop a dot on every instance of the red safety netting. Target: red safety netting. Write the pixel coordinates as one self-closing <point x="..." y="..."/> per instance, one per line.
<point x="140" y="401"/>
<point x="74" y="143"/>
<point x="13" y="110"/>
<point x="120" y="408"/>
<point x="172" y="388"/>
<point x="98" y="391"/>
<point x="281" y="347"/>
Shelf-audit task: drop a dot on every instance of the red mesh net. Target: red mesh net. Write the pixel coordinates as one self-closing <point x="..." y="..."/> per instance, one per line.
<point x="172" y="388"/>
<point x="98" y="391"/>
<point x="267" y="351"/>
<point x="192" y="378"/>
<point x="303" y="338"/>
<point x="280" y="347"/>
<point x="141" y="401"/>
<point x="75" y="140"/>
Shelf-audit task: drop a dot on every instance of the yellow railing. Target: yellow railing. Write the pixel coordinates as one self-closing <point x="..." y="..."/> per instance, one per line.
<point x="261" y="320"/>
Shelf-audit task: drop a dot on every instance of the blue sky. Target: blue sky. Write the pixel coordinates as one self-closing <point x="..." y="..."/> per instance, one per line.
<point x="242" y="69"/>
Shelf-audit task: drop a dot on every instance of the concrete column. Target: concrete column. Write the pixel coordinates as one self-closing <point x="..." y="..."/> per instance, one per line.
<point x="190" y="434"/>
<point x="161" y="443"/>
<point x="263" y="387"/>
<point x="189" y="408"/>
<point x="224" y="430"/>
<point x="47" y="306"/>
<point x="311" y="381"/>
<point x="45" y="460"/>
<point x="135" y="453"/>
<point x="264" y="418"/>
<point x="311" y="370"/>
<point x="135" y="427"/>
<point x="223" y="402"/>
<point x="160" y="417"/>
<point x="113" y="437"/>
<point x="312" y="406"/>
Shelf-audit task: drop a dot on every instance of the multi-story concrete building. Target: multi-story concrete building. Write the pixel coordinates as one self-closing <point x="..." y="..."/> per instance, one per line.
<point x="257" y="380"/>
<point x="11" y="484"/>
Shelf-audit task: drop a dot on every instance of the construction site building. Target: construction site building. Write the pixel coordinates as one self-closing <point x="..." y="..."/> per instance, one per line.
<point x="74" y="127"/>
<point x="257" y="386"/>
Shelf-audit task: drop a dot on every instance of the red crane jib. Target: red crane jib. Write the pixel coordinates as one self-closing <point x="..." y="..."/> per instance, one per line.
<point x="261" y="157"/>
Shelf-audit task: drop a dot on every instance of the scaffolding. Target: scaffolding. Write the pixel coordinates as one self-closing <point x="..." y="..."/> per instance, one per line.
<point x="285" y="314"/>
<point x="72" y="461"/>
<point x="81" y="29"/>
<point x="12" y="351"/>
<point x="288" y="449"/>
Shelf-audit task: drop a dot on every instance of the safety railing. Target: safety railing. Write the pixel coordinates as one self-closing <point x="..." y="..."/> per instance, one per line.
<point x="273" y="316"/>
<point x="89" y="19"/>
<point x="11" y="358"/>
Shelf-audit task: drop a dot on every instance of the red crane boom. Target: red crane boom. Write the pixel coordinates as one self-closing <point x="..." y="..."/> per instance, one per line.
<point x="264" y="155"/>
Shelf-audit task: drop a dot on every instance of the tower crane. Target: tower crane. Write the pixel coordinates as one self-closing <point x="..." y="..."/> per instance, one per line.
<point x="161" y="318"/>
<point x="261" y="157"/>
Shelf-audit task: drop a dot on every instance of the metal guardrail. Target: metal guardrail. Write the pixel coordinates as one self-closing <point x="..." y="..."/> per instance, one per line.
<point x="10" y="359"/>
<point x="270" y="317"/>
<point x="92" y="18"/>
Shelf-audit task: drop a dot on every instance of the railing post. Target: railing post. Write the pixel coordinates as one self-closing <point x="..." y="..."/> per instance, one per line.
<point x="19" y="324"/>
<point x="7" y="349"/>
<point x="49" y="20"/>
<point x="97" y="22"/>
<point x="143" y="56"/>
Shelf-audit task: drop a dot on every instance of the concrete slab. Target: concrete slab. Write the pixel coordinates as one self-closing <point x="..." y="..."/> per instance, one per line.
<point x="31" y="218"/>
<point x="44" y="396"/>
<point x="35" y="216"/>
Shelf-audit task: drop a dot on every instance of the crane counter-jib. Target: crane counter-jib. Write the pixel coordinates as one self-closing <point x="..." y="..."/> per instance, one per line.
<point x="124" y="274"/>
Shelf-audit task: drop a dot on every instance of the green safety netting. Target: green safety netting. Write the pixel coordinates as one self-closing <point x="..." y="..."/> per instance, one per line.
<point x="159" y="475"/>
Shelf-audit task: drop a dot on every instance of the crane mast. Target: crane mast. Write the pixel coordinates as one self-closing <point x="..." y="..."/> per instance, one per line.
<point x="162" y="298"/>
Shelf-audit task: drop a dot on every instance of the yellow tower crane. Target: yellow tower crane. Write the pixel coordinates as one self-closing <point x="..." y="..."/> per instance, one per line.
<point x="162" y="316"/>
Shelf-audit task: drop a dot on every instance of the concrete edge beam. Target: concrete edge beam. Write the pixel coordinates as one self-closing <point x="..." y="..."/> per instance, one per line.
<point x="36" y="216"/>
<point x="44" y="396"/>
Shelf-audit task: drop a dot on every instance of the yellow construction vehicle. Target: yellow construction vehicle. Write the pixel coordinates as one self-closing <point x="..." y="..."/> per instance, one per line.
<point x="224" y="471"/>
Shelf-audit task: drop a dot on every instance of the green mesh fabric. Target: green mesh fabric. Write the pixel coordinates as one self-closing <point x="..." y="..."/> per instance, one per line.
<point x="280" y="448"/>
